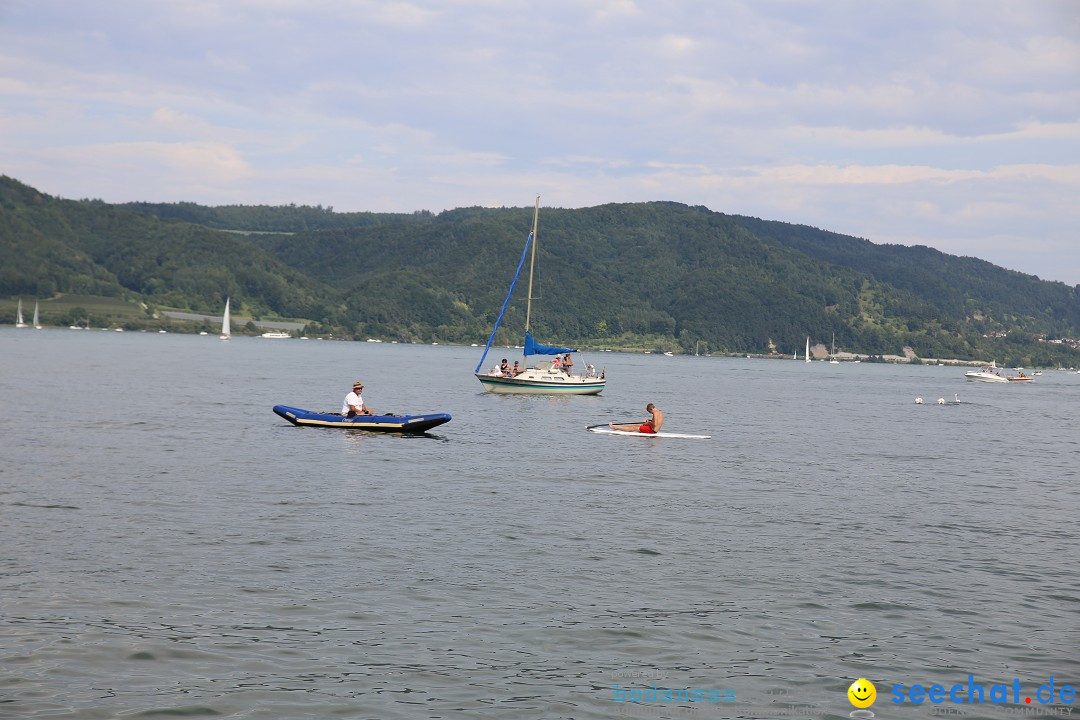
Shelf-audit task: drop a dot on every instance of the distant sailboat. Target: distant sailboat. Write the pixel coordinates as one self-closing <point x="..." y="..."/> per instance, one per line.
<point x="832" y="354"/>
<point x="226" y="322"/>
<point x="19" y="322"/>
<point x="37" y="324"/>
<point x="807" y="348"/>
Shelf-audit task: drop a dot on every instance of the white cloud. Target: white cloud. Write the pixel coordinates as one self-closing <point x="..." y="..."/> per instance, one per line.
<point x="614" y="10"/>
<point x="403" y="14"/>
<point x="210" y="162"/>
<point x="677" y="44"/>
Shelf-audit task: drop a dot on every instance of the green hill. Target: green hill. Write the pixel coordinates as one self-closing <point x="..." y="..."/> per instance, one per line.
<point x="49" y="246"/>
<point x="656" y="275"/>
<point x="990" y="297"/>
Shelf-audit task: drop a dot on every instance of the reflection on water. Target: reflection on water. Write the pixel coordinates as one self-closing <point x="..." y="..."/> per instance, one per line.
<point x="172" y="547"/>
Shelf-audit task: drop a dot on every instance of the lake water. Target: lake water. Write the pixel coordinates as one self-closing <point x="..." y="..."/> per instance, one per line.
<point x="170" y="547"/>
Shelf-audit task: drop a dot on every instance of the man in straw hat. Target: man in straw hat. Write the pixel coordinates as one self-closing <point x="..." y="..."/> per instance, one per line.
<point x="354" y="402"/>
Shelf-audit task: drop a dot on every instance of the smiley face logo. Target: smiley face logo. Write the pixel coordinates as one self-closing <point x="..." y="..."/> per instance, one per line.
<point x="862" y="693"/>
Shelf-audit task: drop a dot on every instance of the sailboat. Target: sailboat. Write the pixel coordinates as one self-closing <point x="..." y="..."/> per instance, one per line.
<point x="807" y="348"/>
<point x="542" y="379"/>
<point x="37" y="323"/>
<point x="226" y="322"/>
<point x="832" y="353"/>
<point x="19" y="322"/>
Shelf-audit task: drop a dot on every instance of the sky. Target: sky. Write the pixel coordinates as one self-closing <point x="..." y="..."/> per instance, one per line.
<point x="948" y="123"/>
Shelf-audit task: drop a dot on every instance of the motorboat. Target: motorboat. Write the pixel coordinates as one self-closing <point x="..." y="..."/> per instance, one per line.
<point x="989" y="374"/>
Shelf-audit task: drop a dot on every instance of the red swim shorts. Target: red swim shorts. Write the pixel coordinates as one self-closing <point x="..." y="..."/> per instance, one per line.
<point x="647" y="429"/>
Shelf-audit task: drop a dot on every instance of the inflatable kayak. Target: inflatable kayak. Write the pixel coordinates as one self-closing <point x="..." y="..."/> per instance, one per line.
<point x="609" y="431"/>
<point x="376" y="423"/>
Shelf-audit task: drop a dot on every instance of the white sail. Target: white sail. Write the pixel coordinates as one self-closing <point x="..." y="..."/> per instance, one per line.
<point x="226" y="322"/>
<point x="37" y="323"/>
<point x="807" y="348"/>
<point x="19" y="322"/>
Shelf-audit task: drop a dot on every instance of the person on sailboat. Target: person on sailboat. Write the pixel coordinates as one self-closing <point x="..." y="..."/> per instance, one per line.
<point x="516" y="370"/>
<point x="504" y="367"/>
<point x="649" y="427"/>
<point x="556" y="364"/>
<point x="567" y="363"/>
<point x="354" y="402"/>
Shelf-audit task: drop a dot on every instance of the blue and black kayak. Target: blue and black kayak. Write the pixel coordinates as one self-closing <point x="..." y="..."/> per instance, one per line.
<point x="375" y="423"/>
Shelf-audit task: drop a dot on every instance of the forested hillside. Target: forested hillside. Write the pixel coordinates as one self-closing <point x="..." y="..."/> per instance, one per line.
<point x="54" y="246"/>
<point x="655" y="275"/>
<point x="990" y="297"/>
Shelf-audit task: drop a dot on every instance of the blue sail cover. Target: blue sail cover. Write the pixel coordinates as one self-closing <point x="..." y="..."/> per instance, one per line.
<point x="532" y="348"/>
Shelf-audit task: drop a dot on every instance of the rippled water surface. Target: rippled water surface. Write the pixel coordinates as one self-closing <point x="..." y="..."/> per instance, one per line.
<point x="169" y="546"/>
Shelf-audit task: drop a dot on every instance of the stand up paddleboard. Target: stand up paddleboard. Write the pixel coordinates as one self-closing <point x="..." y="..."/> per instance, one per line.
<point x="605" y="430"/>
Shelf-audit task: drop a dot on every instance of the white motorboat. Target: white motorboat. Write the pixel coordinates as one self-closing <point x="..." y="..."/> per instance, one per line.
<point x="989" y="374"/>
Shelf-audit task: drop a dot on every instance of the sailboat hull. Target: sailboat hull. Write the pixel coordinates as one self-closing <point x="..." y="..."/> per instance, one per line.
<point x="547" y="384"/>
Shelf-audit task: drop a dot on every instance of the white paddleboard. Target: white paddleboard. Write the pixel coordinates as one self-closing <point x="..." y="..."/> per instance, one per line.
<point x="604" y="429"/>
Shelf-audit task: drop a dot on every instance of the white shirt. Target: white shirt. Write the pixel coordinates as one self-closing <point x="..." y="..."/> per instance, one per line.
<point x="353" y="398"/>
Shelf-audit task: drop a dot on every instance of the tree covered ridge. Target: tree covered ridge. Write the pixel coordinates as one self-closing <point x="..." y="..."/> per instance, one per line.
<point x="656" y="274"/>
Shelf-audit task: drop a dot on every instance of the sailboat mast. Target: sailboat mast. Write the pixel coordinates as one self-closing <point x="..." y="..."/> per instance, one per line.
<point x="532" y="263"/>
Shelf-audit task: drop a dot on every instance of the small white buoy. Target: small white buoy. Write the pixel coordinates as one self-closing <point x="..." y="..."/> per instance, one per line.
<point x="941" y="401"/>
<point x="918" y="401"/>
<point x="956" y="398"/>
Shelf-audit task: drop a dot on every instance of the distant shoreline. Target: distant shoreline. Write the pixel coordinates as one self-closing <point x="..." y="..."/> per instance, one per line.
<point x="261" y="324"/>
